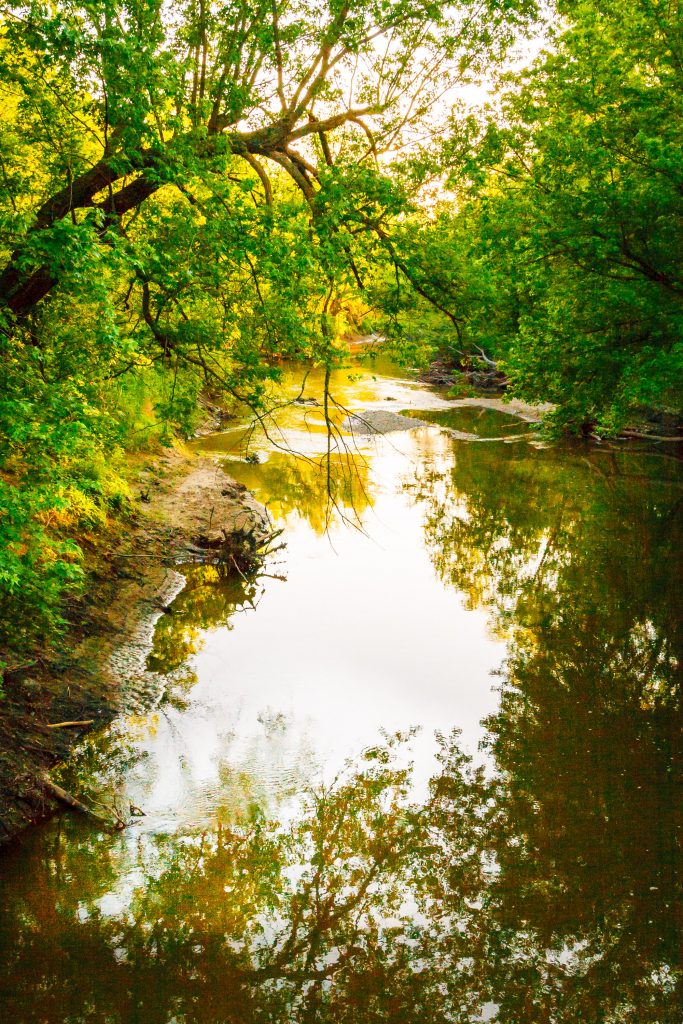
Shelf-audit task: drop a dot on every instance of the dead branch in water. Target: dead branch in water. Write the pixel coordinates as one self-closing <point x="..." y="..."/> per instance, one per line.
<point x="76" y="805"/>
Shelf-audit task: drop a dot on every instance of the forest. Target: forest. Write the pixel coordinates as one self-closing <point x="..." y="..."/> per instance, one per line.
<point x="194" y="194"/>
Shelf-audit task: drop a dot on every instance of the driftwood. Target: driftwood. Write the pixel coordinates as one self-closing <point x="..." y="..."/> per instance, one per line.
<point x="637" y="435"/>
<point x="242" y="549"/>
<point x="70" y="725"/>
<point x="477" y="369"/>
<point x="76" y="805"/>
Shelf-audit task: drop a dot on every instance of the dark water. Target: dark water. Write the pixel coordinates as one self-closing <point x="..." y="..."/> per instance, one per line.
<point x="295" y="864"/>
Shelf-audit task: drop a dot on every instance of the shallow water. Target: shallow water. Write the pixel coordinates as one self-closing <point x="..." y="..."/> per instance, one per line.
<point x="290" y="865"/>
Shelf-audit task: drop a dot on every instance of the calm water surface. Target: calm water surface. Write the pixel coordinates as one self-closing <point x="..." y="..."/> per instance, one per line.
<point x="425" y="768"/>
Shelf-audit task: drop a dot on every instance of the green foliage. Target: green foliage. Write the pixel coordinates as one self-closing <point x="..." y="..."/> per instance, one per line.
<point x="560" y="253"/>
<point x="591" y="151"/>
<point x="36" y="567"/>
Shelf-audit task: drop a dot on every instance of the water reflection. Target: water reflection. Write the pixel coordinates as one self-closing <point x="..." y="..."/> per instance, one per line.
<point x="484" y="423"/>
<point x="540" y="883"/>
<point x="367" y="907"/>
<point x="578" y="558"/>
<point x="211" y="598"/>
<point x="323" y="492"/>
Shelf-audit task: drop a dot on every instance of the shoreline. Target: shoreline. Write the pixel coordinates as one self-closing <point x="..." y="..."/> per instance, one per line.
<point x="192" y="511"/>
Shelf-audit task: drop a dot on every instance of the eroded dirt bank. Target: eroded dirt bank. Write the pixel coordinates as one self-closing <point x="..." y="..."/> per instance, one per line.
<point x="190" y="511"/>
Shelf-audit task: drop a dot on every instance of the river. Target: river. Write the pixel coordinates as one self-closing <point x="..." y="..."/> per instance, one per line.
<point x="424" y="768"/>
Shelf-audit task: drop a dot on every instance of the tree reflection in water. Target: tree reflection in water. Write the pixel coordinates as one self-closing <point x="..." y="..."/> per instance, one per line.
<point x="579" y="561"/>
<point x="367" y="907"/>
<point x="319" y="492"/>
<point x="543" y="888"/>
<point x="322" y="490"/>
<point x="211" y="598"/>
<point x="360" y="909"/>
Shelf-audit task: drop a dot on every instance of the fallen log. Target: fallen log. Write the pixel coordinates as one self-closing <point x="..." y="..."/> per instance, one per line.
<point x="76" y="805"/>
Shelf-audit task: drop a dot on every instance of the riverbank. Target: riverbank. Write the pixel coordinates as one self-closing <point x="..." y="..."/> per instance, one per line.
<point x="189" y="511"/>
<point x="489" y="388"/>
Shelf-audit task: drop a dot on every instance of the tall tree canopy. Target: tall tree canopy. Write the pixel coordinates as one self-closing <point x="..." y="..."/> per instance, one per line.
<point x="115" y="100"/>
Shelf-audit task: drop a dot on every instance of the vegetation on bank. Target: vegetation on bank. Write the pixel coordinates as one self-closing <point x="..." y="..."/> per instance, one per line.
<point x="192" y="194"/>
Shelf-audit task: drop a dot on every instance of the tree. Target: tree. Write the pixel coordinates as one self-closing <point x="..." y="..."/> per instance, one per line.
<point x="595" y="151"/>
<point x="560" y="254"/>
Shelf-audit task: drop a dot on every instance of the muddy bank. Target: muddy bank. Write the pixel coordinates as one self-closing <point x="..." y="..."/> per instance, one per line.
<point x="189" y="511"/>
